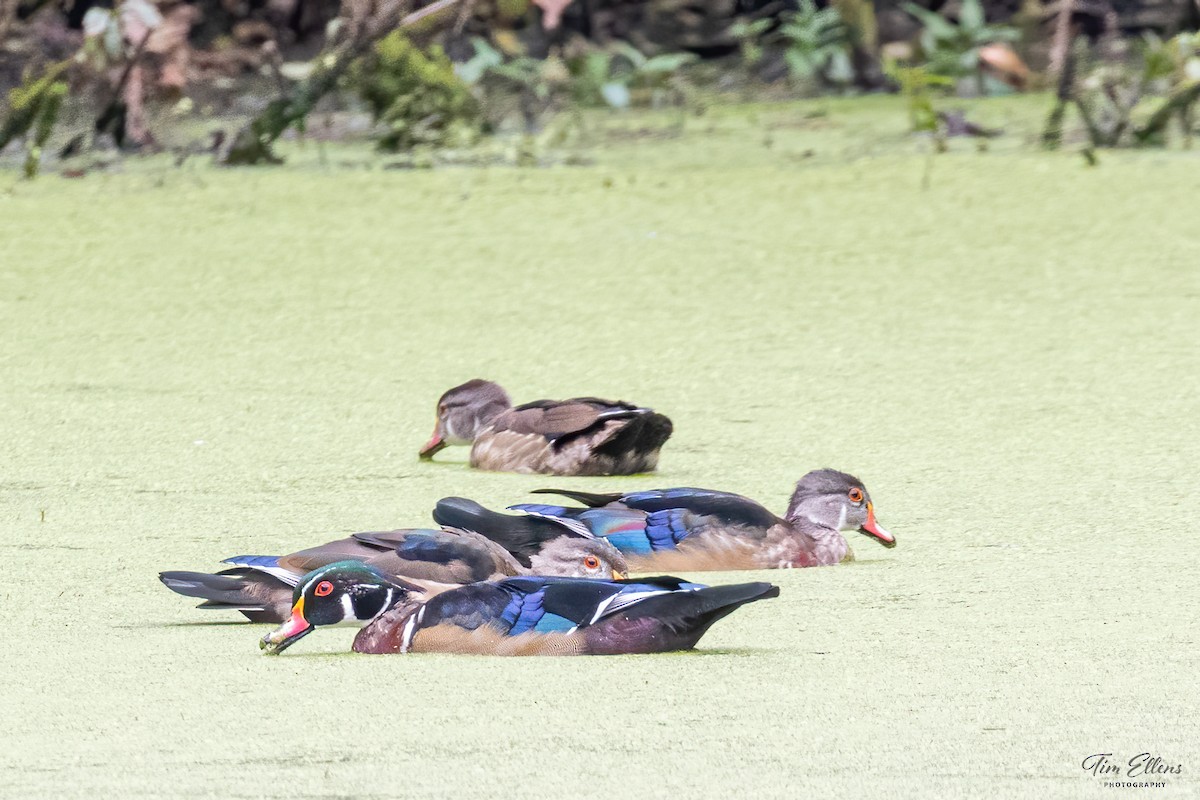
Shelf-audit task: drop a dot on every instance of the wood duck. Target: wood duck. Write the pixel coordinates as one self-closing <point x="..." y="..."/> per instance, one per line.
<point x="510" y="617"/>
<point x="261" y="586"/>
<point x="697" y="529"/>
<point x="583" y="436"/>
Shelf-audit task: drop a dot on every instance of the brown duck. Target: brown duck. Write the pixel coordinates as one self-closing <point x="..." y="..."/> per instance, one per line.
<point x="699" y="529"/>
<point x="261" y="587"/>
<point x="582" y="436"/>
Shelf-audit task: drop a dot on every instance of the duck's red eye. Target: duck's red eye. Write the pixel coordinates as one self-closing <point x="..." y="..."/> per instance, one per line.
<point x="591" y="562"/>
<point x="323" y="588"/>
<point x="856" y="494"/>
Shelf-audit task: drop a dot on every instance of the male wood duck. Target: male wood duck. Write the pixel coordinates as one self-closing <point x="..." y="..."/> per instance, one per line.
<point x="261" y="586"/>
<point x="512" y="617"/>
<point x="583" y="436"/>
<point x="697" y="529"/>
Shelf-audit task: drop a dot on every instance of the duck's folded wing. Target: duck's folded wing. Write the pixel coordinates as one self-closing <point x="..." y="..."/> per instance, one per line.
<point x="732" y="509"/>
<point x="437" y="555"/>
<point x="348" y="549"/>
<point x="561" y="419"/>
<point x="627" y="529"/>
<point x="545" y="605"/>
<point x="522" y="535"/>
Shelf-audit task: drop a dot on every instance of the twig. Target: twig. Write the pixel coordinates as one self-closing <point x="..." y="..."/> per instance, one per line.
<point x="468" y="6"/>
<point x="252" y="145"/>
<point x="427" y="11"/>
<point x="109" y="113"/>
<point x="1062" y="38"/>
<point x="275" y="61"/>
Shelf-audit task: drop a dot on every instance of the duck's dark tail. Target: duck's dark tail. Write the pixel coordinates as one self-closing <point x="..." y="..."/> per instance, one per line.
<point x="590" y="499"/>
<point x="259" y="596"/>
<point x="675" y="621"/>
<point x="635" y="446"/>
<point x="522" y="535"/>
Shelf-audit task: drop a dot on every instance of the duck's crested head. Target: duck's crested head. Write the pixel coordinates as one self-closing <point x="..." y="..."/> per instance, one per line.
<point x="464" y="411"/>
<point x="345" y="592"/>
<point x="577" y="557"/>
<point x="839" y="501"/>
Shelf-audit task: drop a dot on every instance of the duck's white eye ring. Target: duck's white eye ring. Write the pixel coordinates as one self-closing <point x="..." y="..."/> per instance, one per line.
<point x="591" y="562"/>
<point x="856" y="494"/>
<point x="324" y="588"/>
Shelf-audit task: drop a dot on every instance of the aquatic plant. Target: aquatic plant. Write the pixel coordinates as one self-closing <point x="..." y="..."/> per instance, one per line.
<point x="1113" y="97"/>
<point x="33" y="108"/>
<point x="917" y="85"/>
<point x="415" y="94"/>
<point x="953" y="49"/>
<point x="622" y="75"/>
<point x="817" y="46"/>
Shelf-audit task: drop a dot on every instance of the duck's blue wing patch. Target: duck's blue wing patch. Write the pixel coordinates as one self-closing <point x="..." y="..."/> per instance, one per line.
<point x="267" y="564"/>
<point x="526" y="612"/>
<point x="549" y="605"/>
<point x="545" y="510"/>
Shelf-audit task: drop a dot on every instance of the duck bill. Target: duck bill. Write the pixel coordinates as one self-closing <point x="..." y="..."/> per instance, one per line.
<point x="873" y="528"/>
<point x="283" y="637"/>
<point x="435" y="444"/>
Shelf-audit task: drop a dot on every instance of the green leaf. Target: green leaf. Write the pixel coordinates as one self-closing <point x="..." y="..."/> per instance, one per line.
<point x="631" y="53"/>
<point x="798" y="65"/>
<point x="616" y="94"/>
<point x="935" y="24"/>
<point x="970" y="15"/>
<point x="668" y="62"/>
<point x="839" y="69"/>
<point x="95" y="21"/>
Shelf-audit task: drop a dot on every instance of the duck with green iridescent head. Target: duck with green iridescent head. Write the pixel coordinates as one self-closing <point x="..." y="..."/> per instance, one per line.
<point x="523" y="616"/>
<point x="260" y="587"/>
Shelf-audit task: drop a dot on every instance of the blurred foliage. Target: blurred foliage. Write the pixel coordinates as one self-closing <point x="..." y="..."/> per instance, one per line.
<point x="1132" y="101"/>
<point x="33" y="110"/>
<point x="917" y="85"/>
<point x="952" y="49"/>
<point x="750" y="35"/>
<point x="415" y="94"/>
<point x="817" y="46"/>
<point x="618" y="77"/>
<point x="622" y="76"/>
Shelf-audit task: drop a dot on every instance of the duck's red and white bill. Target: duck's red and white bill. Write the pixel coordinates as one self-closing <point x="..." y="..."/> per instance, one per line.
<point x="292" y="629"/>
<point x="873" y="527"/>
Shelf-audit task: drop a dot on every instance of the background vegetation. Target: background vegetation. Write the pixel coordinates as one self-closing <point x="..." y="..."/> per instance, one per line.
<point x="88" y="83"/>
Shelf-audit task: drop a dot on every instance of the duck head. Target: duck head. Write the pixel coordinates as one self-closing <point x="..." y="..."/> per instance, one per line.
<point x="343" y="593"/>
<point x="573" y="557"/>
<point x="838" y="501"/>
<point x="464" y="411"/>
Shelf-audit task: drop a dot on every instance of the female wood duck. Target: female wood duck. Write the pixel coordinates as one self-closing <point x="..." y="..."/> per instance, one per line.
<point x="511" y="617"/>
<point x="583" y="436"/>
<point x="261" y="586"/>
<point x="697" y="529"/>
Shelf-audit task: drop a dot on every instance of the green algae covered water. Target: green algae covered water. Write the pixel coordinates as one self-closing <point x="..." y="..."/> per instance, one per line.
<point x="1002" y="344"/>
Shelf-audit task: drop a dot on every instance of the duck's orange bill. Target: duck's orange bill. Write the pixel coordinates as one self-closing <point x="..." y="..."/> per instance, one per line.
<point x="435" y="443"/>
<point x="283" y="637"/>
<point x="296" y="624"/>
<point x="875" y="529"/>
